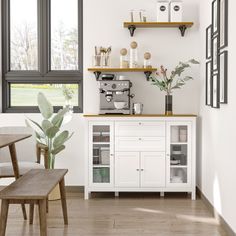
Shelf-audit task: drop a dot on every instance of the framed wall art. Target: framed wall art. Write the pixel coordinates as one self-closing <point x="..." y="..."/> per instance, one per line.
<point x="223" y="5"/>
<point x="215" y="17"/>
<point x="223" y="74"/>
<point x="215" y="91"/>
<point x="215" y="54"/>
<point x="208" y="83"/>
<point x="208" y="41"/>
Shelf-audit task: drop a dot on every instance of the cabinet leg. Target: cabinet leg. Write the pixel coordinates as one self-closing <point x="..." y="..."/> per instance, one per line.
<point x="116" y="194"/>
<point x="162" y="194"/>
<point x="87" y="195"/>
<point x="193" y="195"/>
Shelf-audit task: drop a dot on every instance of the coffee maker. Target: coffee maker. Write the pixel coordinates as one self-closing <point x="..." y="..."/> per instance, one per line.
<point x="114" y="93"/>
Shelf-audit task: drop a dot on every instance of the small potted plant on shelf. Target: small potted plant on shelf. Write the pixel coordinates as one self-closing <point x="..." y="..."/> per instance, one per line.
<point x="173" y="81"/>
<point x="49" y="132"/>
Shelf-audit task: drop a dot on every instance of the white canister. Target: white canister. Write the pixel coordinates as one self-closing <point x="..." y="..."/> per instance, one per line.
<point x="163" y="11"/>
<point x="176" y="11"/>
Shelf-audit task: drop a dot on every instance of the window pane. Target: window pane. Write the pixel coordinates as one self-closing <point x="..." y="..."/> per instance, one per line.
<point x="64" y="34"/>
<point x="57" y="94"/>
<point x="23" y="34"/>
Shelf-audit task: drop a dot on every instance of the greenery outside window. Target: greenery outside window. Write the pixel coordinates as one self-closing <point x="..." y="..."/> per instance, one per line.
<point x="41" y="52"/>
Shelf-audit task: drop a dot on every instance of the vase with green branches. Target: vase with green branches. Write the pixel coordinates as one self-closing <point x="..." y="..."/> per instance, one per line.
<point x="49" y="132"/>
<point x="169" y="82"/>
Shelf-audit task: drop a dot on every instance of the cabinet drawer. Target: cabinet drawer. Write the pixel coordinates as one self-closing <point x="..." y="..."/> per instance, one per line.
<point x="134" y="129"/>
<point x="140" y="144"/>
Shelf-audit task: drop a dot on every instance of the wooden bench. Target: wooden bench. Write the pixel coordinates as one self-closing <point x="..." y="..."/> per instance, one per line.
<point x="33" y="188"/>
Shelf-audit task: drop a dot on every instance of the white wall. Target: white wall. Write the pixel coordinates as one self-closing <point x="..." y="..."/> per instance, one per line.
<point x="217" y="175"/>
<point x="103" y="26"/>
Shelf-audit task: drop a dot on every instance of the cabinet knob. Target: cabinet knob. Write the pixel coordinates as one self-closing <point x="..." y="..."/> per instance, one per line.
<point x="140" y="139"/>
<point x="142" y="169"/>
<point x="140" y="123"/>
<point x="111" y="155"/>
<point x="168" y="154"/>
<point x="137" y="169"/>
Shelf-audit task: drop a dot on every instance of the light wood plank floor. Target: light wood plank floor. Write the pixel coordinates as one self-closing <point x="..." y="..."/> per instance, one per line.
<point x="131" y="214"/>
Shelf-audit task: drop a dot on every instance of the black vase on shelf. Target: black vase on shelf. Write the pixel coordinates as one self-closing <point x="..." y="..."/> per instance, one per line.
<point x="168" y="105"/>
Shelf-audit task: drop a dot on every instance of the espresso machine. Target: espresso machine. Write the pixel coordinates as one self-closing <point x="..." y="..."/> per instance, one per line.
<point x="115" y="96"/>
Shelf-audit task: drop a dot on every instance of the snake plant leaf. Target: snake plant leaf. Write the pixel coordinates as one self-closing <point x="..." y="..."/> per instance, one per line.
<point x="46" y="124"/>
<point x="58" y="149"/>
<point x="51" y="132"/>
<point x="58" y="118"/>
<point x="45" y="106"/>
<point x="60" y="139"/>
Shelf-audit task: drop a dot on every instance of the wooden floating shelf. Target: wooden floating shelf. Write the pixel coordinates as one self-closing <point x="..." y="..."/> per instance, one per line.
<point x="132" y="26"/>
<point x="146" y="71"/>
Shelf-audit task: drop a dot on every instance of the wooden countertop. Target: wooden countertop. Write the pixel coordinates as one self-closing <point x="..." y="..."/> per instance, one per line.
<point x="143" y="115"/>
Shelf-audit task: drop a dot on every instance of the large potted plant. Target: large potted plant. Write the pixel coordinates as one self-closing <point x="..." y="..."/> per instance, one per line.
<point x="49" y="132"/>
<point x="173" y="81"/>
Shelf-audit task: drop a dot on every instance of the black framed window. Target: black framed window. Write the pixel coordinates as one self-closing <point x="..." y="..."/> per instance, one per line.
<point x="41" y="52"/>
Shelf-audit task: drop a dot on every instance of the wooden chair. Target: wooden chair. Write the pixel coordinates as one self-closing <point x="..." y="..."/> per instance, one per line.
<point x="28" y="155"/>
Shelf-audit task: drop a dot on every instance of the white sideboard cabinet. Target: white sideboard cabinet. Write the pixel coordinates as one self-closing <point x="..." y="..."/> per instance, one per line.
<point x="146" y="153"/>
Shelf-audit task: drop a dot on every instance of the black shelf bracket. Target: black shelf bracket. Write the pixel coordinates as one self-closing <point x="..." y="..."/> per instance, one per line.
<point x="182" y="29"/>
<point x="147" y="74"/>
<point x="132" y="28"/>
<point x="97" y="74"/>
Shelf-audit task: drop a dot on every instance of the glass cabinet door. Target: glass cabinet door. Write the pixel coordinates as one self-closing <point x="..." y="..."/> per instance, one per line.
<point x="101" y="153"/>
<point x="178" y="154"/>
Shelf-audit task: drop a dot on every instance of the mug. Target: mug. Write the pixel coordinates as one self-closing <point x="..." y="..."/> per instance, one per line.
<point x="137" y="108"/>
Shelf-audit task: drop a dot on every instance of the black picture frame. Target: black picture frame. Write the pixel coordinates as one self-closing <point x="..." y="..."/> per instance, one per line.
<point x="215" y="17"/>
<point x="215" y="53"/>
<point x="208" y="83"/>
<point x="223" y="28"/>
<point x="208" y="42"/>
<point x="223" y="77"/>
<point x="215" y="91"/>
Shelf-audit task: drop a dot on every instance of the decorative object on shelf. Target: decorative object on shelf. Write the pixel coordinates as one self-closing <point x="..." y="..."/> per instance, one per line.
<point x="97" y="58"/>
<point x="215" y="51"/>
<point x="215" y="91"/>
<point x="176" y="150"/>
<point x="132" y="12"/>
<point x="49" y="132"/>
<point x="133" y="63"/>
<point x="132" y="26"/>
<point x="124" y="62"/>
<point x="208" y="41"/>
<point x="144" y="16"/>
<point x="208" y="83"/>
<point x="176" y="11"/>
<point x="215" y="17"/>
<point x="167" y="83"/>
<point x="147" y="60"/>
<point x="105" y="52"/>
<point x="223" y="74"/>
<point x="223" y="5"/>
<point x="162" y="11"/>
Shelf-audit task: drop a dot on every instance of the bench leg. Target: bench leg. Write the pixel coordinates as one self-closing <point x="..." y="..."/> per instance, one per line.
<point x="24" y="211"/>
<point x="47" y="205"/>
<point x="43" y="217"/>
<point x="31" y="214"/>
<point x="63" y="200"/>
<point x="3" y="219"/>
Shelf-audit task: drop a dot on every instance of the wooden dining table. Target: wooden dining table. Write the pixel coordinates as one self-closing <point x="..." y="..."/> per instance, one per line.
<point x="9" y="140"/>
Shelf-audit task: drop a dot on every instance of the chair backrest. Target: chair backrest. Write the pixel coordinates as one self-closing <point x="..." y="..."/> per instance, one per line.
<point x="25" y="149"/>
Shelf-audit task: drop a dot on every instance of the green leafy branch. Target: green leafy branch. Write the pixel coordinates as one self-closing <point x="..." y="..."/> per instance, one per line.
<point x="174" y="81"/>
